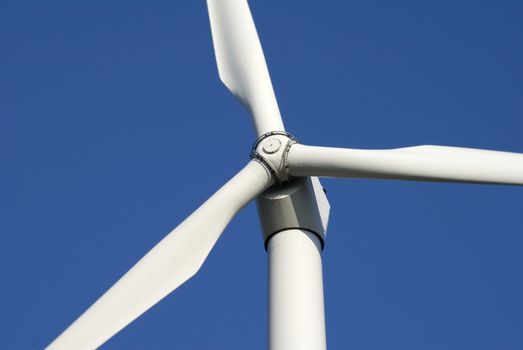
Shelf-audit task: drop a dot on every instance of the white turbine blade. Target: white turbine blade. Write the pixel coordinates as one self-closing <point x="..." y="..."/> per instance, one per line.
<point x="423" y="163"/>
<point x="241" y="63"/>
<point x="170" y="263"/>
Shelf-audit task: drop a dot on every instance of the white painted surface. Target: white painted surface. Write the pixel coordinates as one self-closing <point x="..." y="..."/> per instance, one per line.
<point x="169" y="264"/>
<point x="296" y="310"/>
<point x="425" y="163"/>
<point x="241" y="63"/>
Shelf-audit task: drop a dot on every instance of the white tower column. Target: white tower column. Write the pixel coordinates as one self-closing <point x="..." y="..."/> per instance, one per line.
<point x="294" y="217"/>
<point x="296" y="309"/>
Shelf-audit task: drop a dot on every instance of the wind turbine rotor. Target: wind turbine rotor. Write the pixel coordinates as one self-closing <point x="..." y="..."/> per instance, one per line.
<point x="276" y="157"/>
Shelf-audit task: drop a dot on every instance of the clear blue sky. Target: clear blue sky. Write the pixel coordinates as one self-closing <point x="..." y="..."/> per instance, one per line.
<point x="114" y="127"/>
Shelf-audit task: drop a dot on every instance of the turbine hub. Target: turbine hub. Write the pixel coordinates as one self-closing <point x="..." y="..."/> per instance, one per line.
<point x="271" y="145"/>
<point x="271" y="150"/>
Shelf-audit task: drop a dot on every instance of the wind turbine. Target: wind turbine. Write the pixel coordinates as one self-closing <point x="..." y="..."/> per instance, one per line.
<point x="277" y="157"/>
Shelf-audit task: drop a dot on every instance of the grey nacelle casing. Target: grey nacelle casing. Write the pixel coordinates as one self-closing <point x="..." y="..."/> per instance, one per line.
<point x="299" y="204"/>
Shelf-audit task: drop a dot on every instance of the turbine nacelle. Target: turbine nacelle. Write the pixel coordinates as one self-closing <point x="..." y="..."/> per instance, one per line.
<point x="300" y="203"/>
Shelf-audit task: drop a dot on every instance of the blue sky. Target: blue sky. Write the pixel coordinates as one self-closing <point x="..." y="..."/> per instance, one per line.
<point x="114" y="127"/>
